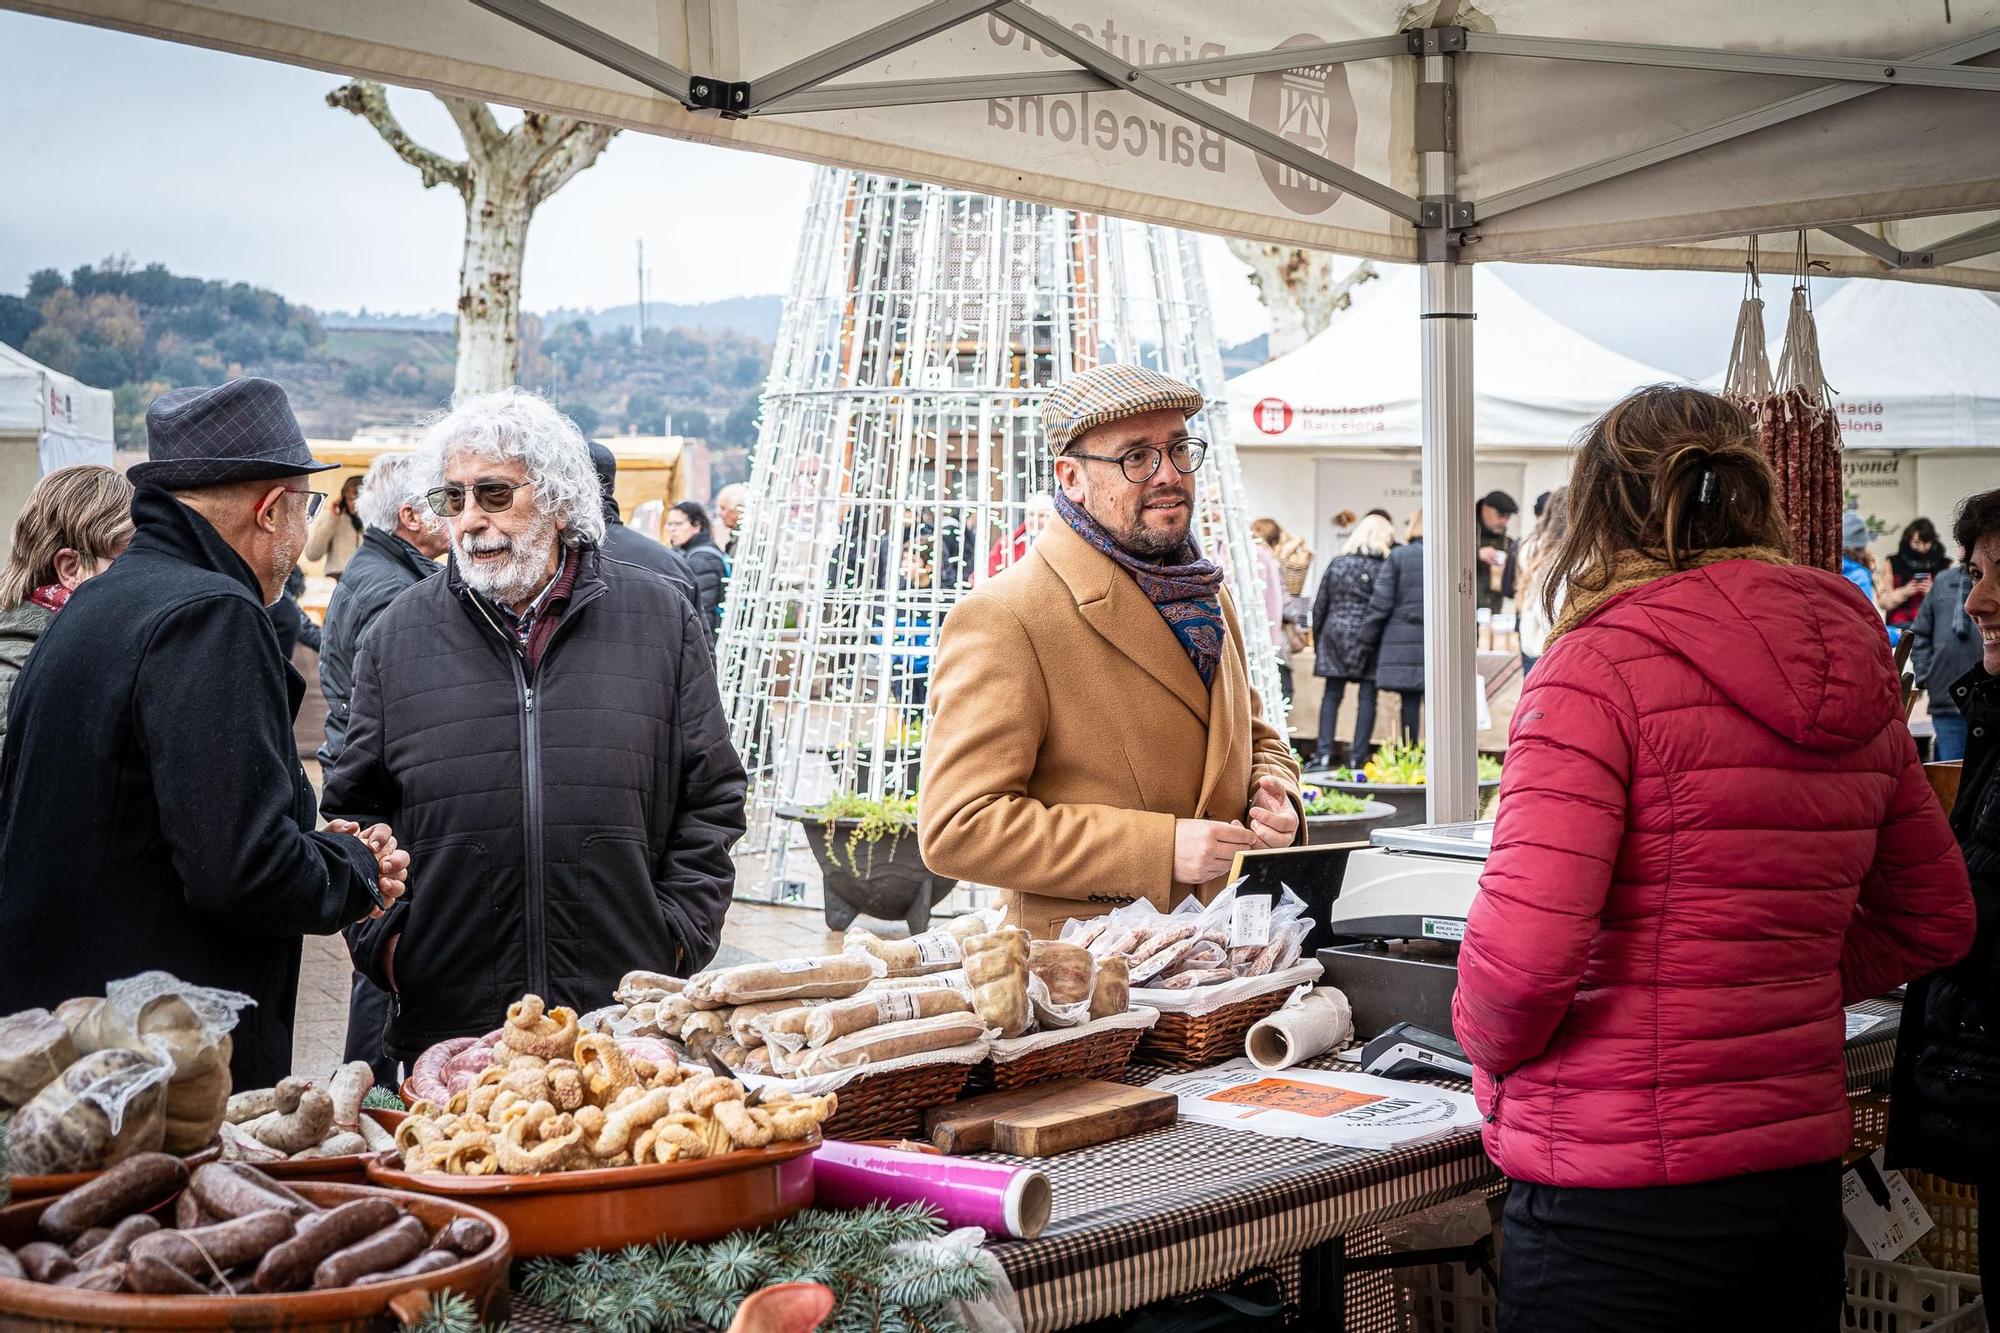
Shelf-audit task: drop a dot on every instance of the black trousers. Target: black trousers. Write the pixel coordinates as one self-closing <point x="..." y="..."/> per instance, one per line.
<point x="1364" y="718"/>
<point x="1413" y="714"/>
<point x="1756" y="1252"/>
<point x="367" y="1024"/>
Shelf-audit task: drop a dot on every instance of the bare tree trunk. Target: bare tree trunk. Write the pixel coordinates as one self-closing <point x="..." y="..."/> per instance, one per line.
<point x="504" y="177"/>
<point x="1299" y="289"/>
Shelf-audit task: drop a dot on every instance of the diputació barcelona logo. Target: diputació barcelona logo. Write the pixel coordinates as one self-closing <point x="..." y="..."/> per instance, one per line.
<point x="1314" y="108"/>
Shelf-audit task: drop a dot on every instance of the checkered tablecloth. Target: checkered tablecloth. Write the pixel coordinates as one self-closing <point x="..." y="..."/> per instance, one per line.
<point x="1192" y="1206"/>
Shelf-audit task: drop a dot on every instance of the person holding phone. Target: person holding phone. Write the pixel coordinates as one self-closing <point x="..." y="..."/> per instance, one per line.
<point x="336" y="532"/>
<point x="1920" y="557"/>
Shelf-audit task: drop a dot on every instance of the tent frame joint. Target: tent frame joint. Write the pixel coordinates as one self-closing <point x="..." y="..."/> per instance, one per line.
<point x="1435" y="41"/>
<point x="729" y="97"/>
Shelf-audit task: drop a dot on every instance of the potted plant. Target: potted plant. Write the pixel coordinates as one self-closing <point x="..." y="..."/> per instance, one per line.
<point x="869" y="860"/>
<point x="1334" y="817"/>
<point x="899" y="755"/>
<point x="1398" y="775"/>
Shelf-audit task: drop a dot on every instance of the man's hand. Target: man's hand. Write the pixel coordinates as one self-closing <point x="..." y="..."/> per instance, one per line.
<point x="1272" y="817"/>
<point x="1495" y="556"/>
<point x="392" y="863"/>
<point x="1206" y="848"/>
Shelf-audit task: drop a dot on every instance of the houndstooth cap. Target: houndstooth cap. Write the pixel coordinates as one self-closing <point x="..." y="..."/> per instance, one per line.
<point x="1111" y="393"/>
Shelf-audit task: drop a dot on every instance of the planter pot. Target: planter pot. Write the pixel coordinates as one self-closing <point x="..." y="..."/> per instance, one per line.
<point x="1409" y="802"/>
<point x="888" y="880"/>
<point x="1326" y="830"/>
<point x="899" y="770"/>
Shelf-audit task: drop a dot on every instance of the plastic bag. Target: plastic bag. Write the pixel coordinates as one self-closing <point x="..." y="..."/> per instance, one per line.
<point x="1049" y="1014"/>
<point x="157" y="1013"/>
<point x="999" y="1310"/>
<point x="107" y="1106"/>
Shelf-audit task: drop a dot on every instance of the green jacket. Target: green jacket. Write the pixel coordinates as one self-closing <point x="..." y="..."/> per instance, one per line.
<point x="20" y="627"/>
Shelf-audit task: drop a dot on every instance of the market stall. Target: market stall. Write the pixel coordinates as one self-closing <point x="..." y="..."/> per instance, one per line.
<point x="47" y="420"/>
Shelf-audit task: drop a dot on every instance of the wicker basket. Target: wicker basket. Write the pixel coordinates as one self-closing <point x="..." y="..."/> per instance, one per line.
<point x="1100" y="1054"/>
<point x="1190" y="1041"/>
<point x="892" y="1105"/>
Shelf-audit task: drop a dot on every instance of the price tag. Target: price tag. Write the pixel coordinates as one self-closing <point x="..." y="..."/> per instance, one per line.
<point x="799" y="965"/>
<point x="935" y="949"/>
<point x="1882" y="1208"/>
<point x="1250" y="921"/>
<point x="896" y="1006"/>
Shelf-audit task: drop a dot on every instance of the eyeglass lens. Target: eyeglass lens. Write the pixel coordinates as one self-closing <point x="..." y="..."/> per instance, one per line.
<point x="1141" y="463"/>
<point x="492" y="496"/>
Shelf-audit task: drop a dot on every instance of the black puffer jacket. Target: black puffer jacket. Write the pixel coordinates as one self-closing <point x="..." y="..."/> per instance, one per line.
<point x="1944" y="1099"/>
<point x="1339" y="611"/>
<point x="1394" y="627"/>
<point x="711" y="576"/>
<point x="383" y="567"/>
<point x="153" y="813"/>
<point x="564" y="827"/>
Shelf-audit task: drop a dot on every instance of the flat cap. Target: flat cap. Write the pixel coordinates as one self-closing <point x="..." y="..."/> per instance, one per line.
<point x="1111" y="393"/>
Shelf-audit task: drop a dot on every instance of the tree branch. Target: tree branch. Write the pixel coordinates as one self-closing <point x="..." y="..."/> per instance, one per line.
<point x="370" y="102"/>
<point x="482" y="134"/>
<point x="574" y="146"/>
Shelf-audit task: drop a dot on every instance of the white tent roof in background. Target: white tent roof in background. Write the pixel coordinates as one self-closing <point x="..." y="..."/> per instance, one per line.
<point x="1911" y="366"/>
<point x="70" y="420"/>
<point x="1360" y="382"/>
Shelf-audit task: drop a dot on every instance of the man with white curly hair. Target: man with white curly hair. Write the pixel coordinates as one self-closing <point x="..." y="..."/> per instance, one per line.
<point x="544" y="721"/>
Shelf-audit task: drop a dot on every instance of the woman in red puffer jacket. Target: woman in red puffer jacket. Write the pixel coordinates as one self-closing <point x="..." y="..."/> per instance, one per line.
<point x="1713" y="833"/>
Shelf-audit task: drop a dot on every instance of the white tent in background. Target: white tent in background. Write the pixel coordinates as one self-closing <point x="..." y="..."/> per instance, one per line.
<point x="47" y="420"/>
<point x="1912" y="367"/>
<point x="1359" y="384"/>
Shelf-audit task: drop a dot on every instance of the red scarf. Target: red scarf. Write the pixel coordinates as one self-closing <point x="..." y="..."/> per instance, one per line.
<point x="51" y="597"/>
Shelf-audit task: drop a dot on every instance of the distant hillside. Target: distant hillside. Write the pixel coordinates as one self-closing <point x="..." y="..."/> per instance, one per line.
<point x="753" y="316"/>
<point x="141" y="331"/>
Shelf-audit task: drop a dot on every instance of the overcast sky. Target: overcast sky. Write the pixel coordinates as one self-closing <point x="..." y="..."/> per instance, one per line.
<point x="226" y="167"/>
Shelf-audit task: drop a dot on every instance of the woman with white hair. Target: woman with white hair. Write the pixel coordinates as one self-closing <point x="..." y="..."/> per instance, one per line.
<point x="1340" y="655"/>
<point x="544" y="727"/>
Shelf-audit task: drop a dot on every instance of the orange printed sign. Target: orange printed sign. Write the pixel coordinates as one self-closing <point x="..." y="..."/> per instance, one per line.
<point x="1285" y="1094"/>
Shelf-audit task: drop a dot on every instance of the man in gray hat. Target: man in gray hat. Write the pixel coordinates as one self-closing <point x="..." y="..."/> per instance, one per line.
<point x="153" y="812"/>
<point x="1093" y="734"/>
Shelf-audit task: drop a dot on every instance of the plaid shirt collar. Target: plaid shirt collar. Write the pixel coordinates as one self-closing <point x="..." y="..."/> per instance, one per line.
<point x="557" y="589"/>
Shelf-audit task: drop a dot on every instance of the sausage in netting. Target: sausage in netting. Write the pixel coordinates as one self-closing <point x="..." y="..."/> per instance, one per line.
<point x="117" y="1247"/>
<point x="150" y="1275"/>
<point x="10" y="1267"/>
<point x="228" y="1193"/>
<point x="43" y="1262"/>
<point x="200" y="1252"/>
<point x="132" y="1186"/>
<point x="463" y="1236"/>
<point x="290" y="1265"/>
<point x="395" y="1244"/>
<point x="430" y="1261"/>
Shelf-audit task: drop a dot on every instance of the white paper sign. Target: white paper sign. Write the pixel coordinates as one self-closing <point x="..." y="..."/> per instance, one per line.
<point x="1322" y="1106"/>
<point x="1249" y="921"/>
<point x="1860" y="1023"/>
<point x="1887" y="1232"/>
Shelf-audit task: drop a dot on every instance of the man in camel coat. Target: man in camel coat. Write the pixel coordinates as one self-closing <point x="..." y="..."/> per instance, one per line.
<point x="1094" y="736"/>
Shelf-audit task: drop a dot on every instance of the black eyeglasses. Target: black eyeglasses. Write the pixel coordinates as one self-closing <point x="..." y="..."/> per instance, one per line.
<point x="493" y="496"/>
<point x="1141" y="461"/>
<point x="313" y="500"/>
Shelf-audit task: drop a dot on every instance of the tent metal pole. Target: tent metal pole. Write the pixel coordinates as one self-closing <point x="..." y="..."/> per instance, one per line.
<point x="1920" y="71"/>
<point x="566" y="30"/>
<point x="884" y="39"/>
<point x="1450" y="666"/>
<point x="1868" y="243"/>
<point x="1982" y="240"/>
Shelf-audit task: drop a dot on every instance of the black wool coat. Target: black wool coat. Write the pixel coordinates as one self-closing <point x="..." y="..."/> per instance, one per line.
<point x="153" y="812"/>
<point x="1944" y="1094"/>
<point x="375" y="574"/>
<point x="1340" y="608"/>
<point x="565" y="825"/>
<point x="1394" y="627"/>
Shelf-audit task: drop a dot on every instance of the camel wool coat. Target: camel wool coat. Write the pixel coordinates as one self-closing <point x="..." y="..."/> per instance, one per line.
<point x="1069" y="731"/>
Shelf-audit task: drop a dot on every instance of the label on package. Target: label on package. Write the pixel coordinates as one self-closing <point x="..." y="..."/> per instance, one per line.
<point x="1882" y="1208"/>
<point x="791" y="965"/>
<point x="1250" y="921"/>
<point x="1443" y="928"/>
<point x="896" y="1006"/>
<point x="937" y="949"/>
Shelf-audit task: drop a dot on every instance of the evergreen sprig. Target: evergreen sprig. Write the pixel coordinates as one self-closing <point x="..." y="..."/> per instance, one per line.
<point x="657" y="1288"/>
<point x="380" y="1098"/>
<point x="450" y="1312"/>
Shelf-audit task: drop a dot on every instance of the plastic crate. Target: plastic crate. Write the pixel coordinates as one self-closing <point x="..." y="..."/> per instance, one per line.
<point x="1871" y="1125"/>
<point x="1888" y="1297"/>
<point x="1445" y="1298"/>
<point x="1954" y="1245"/>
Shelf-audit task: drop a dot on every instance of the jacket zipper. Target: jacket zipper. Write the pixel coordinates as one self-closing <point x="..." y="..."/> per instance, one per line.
<point x="1493" y="1116"/>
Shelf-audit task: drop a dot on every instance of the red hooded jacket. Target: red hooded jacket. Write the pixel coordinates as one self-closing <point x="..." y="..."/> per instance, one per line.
<point x="1713" y="833"/>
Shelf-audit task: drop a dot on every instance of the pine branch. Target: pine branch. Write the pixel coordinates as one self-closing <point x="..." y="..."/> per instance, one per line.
<point x="370" y="101"/>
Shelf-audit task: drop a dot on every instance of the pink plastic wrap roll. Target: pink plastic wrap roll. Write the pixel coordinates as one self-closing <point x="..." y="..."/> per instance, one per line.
<point x="1006" y="1200"/>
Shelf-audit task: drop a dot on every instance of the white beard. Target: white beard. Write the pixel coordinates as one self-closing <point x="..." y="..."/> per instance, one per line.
<point x="518" y="576"/>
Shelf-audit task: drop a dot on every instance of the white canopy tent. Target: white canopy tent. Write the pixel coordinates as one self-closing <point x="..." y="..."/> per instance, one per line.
<point x="1360" y="382"/>
<point x="1620" y="133"/>
<point x="47" y="420"/>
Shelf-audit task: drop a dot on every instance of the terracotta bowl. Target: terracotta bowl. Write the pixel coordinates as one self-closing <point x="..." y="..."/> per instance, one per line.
<point x="348" y="1170"/>
<point x="48" y="1187"/>
<point x="482" y="1279"/>
<point x="608" y="1208"/>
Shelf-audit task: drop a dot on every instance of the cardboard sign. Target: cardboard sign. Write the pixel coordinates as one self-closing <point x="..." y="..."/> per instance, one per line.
<point x="1882" y="1208"/>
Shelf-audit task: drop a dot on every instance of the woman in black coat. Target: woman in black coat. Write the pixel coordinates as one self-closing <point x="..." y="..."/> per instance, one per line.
<point x="1340" y="656"/>
<point x="1944" y="1101"/>
<point x="688" y="528"/>
<point x="1394" y="627"/>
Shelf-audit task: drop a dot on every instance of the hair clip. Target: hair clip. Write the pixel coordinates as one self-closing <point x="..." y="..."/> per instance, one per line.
<point x="1707" y="493"/>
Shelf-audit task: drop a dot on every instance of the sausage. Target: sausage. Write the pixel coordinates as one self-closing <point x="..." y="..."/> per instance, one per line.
<point x="200" y="1252"/>
<point x="229" y="1192"/>
<point x="397" y="1243"/>
<point x="300" y="1205"/>
<point x="430" y="1261"/>
<point x="117" y="1246"/>
<point x="43" y="1262"/>
<point x="111" y="1277"/>
<point x="189" y="1214"/>
<point x="463" y="1236"/>
<point x="132" y="1186"/>
<point x="151" y="1275"/>
<point x="290" y="1265"/>
<point x="88" y="1241"/>
<point x="10" y="1267"/>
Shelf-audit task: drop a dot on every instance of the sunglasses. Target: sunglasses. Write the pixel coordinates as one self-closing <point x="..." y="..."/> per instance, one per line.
<point x="492" y="496"/>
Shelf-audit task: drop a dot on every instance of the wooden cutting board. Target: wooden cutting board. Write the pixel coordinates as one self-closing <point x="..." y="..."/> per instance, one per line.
<point x="1048" y="1118"/>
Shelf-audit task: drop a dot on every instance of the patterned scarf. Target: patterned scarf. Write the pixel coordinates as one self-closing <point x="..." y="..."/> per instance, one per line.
<point x="1187" y="594"/>
<point x="51" y="597"/>
<point x="1635" y="569"/>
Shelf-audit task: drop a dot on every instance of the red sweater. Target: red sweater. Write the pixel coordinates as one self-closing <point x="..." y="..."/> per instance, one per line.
<point x="1713" y="833"/>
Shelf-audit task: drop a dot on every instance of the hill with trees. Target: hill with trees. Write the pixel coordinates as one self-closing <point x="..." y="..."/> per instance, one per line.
<point x="141" y="331"/>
